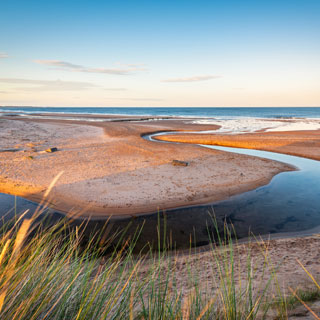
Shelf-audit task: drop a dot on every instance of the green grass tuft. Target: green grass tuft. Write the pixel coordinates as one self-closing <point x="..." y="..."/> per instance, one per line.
<point x="52" y="275"/>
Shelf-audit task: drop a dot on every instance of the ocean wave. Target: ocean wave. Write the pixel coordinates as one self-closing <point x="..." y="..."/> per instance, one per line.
<point x="250" y="125"/>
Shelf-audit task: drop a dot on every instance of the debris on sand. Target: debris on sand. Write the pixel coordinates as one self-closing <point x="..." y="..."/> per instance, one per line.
<point x="54" y="149"/>
<point x="180" y="163"/>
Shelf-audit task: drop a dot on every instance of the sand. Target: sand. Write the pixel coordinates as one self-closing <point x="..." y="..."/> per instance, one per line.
<point x="298" y="143"/>
<point x="279" y="257"/>
<point x="109" y="168"/>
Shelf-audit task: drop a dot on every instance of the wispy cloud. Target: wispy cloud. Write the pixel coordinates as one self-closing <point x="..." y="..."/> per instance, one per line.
<point x="67" y="66"/>
<point x="132" y="65"/>
<point x="48" y="85"/>
<point x="115" y="89"/>
<point x="3" y="55"/>
<point x="192" y="79"/>
<point x="141" y="99"/>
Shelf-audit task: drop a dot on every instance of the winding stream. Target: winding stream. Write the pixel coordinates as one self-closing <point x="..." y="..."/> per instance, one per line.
<point x="288" y="205"/>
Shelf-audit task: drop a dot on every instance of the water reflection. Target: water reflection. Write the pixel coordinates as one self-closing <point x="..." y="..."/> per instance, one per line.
<point x="289" y="203"/>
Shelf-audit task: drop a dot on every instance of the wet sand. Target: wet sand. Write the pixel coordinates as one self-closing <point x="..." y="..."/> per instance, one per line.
<point x="110" y="170"/>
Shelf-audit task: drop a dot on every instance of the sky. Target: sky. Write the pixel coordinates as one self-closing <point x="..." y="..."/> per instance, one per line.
<point x="159" y="53"/>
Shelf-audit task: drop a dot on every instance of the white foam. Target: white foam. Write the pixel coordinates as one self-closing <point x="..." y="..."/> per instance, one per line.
<point x="246" y="125"/>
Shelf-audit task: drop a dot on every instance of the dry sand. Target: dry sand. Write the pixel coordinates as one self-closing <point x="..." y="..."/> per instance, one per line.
<point x="109" y="167"/>
<point x="270" y="258"/>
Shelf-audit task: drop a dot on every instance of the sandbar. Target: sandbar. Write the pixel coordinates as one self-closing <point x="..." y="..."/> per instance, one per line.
<point x="109" y="169"/>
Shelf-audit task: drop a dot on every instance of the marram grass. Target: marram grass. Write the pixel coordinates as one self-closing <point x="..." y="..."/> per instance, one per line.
<point x="51" y="275"/>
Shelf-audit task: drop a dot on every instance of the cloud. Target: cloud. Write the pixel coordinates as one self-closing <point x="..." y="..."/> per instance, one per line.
<point x="61" y="64"/>
<point x="48" y="85"/>
<point x="132" y="65"/>
<point x="3" y="55"/>
<point x="115" y="89"/>
<point x="67" y="66"/>
<point x="134" y="99"/>
<point x="192" y="79"/>
<point x="141" y="99"/>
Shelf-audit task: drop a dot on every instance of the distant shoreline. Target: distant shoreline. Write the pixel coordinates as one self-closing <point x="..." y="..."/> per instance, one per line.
<point x="188" y="112"/>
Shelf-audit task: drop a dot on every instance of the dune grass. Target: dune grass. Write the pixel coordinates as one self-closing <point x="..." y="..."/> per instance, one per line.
<point x="52" y="275"/>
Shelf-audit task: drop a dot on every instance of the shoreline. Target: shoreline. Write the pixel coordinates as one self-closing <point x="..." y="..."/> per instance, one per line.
<point x="144" y="159"/>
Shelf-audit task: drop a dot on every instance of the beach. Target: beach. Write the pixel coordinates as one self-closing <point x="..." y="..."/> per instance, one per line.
<point x="110" y="169"/>
<point x="160" y="160"/>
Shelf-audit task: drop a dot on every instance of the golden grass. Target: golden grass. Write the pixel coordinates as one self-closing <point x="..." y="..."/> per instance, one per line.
<point x="50" y="276"/>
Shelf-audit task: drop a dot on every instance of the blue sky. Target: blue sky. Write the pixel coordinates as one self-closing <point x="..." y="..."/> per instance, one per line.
<point x="160" y="53"/>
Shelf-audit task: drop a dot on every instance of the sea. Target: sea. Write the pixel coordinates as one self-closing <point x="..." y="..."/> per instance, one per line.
<point x="197" y="112"/>
<point x="230" y="120"/>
